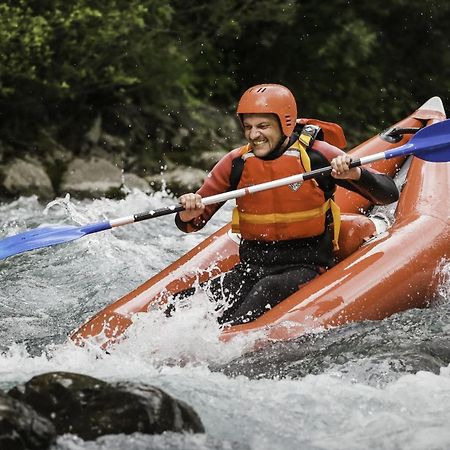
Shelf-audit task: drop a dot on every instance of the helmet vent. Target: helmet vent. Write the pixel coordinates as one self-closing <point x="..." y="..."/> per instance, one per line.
<point x="288" y="120"/>
<point x="261" y="89"/>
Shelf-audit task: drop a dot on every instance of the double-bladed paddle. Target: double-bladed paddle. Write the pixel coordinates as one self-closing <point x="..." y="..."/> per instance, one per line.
<point x="431" y="143"/>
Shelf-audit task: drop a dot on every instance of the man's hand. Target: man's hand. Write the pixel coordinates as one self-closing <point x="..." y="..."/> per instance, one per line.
<point x="341" y="169"/>
<point x="193" y="206"/>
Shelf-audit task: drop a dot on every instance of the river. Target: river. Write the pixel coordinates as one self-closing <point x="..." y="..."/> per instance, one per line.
<point x="380" y="385"/>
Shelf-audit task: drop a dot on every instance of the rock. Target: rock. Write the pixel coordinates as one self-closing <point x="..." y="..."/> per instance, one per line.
<point x="95" y="177"/>
<point x="22" y="428"/>
<point x="22" y="177"/>
<point x="89" y="407"/>
<point x="179" y="180"/>
<point x="132" y="181"/>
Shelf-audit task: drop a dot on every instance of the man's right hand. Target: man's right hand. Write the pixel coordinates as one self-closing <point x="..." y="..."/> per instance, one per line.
<point x="193" y="206"/>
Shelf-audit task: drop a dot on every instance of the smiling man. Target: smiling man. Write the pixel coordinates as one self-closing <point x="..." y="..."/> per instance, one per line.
<point x="288" y="233"/>
<point x="263" y="133"/>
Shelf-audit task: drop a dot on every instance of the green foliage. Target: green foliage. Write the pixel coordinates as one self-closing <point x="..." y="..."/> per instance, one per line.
<point x="364" y="65"/>
<point x="151" y="68"/>
<point x="72" y="48"/>
<point x="64" y="61"/>
<point x="218" y="35"/>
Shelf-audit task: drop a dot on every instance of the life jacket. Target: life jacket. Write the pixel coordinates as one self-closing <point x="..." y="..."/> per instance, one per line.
<point x="293" y="211"/>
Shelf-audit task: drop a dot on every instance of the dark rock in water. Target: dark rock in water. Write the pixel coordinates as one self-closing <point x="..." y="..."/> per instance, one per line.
<point x="22" y="428"/>
<point x="89" y="407"/>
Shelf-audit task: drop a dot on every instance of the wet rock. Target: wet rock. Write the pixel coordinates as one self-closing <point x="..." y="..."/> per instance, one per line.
<point x="95" y="177"/>
<point x="26" y="177"/>
<point x="132" y="181"/>
<point x="179" y="180"/>
<point x="22" y="428"/>
<point x="89" y="407"/>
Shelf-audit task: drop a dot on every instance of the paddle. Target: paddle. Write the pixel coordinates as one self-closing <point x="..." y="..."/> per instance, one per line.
<point x="431" y="143"/>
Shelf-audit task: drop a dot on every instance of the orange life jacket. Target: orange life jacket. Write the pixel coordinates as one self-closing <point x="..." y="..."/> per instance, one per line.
<point x="287" y="212"/>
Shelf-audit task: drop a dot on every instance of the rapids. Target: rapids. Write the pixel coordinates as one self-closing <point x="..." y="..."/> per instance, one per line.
<point x="383" y="385"/>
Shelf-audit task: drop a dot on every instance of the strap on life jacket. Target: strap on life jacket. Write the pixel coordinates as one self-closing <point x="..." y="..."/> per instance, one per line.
<point x="330" y="204"/>
<point x="309" y="134"/>
<point x="306" y="139"/>
<point x="330" y="132"/>
<point x="336" y="213"/>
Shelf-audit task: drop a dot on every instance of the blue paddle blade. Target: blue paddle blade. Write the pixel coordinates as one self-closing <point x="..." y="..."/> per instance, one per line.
<point x="46" y="236"/>
<point x="432" y="143"/>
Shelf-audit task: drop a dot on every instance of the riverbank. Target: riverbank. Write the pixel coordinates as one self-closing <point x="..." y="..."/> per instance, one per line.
<point x="98" y="163"/>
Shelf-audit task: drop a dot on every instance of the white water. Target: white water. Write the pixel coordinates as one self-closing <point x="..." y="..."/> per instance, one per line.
<point x="369" y="394"/>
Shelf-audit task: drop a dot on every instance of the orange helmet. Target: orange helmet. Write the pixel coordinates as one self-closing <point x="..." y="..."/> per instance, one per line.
<point x="270" y="99"/>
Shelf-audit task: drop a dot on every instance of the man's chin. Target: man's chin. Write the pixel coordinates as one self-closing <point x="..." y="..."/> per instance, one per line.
<point x="261" y="152"/>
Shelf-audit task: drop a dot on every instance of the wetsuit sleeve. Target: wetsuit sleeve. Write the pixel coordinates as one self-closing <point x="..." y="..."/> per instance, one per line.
<point x="217" y="182"/>
<point x="377" y="187"/>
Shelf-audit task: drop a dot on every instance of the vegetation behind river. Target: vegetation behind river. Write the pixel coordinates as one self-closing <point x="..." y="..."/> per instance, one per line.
<point x="150" y="84"/>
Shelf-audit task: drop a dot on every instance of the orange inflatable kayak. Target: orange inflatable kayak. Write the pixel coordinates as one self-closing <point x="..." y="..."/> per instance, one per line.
<point x="381" y="270"/>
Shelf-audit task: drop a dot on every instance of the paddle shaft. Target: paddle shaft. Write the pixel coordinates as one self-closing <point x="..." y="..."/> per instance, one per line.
<point x="47" y="236"/>
<point x="431" y="143"/>
<point x="223" y="197"/>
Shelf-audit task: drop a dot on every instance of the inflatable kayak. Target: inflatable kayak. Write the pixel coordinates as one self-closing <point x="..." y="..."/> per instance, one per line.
<point x="382" y="268"/>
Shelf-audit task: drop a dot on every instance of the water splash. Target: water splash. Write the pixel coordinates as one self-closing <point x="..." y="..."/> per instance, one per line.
<point x="443" y="272"/>
<point x="190" y="336"/>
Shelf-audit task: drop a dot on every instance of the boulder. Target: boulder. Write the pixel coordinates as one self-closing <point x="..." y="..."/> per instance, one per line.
<point x="89" y="407"/>
<point x="22" y="428"/>
<point x="95" y="177"/>
<point x="179" y="180"/>
<point x="26" y="177"/>
<point x="132" y="181"/>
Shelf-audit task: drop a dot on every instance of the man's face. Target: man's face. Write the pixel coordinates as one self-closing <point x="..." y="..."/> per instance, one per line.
<point x="263" y="132"/>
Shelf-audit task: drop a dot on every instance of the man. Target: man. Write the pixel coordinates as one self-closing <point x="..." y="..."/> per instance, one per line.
<point x="288" y="233"/>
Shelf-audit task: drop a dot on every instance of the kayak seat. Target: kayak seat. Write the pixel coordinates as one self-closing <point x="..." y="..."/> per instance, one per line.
<point x="355" y="230"/>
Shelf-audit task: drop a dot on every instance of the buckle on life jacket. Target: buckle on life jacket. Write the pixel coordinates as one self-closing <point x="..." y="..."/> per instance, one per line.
<point x="331" y="132"/>
<point x="309" y="134"/>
